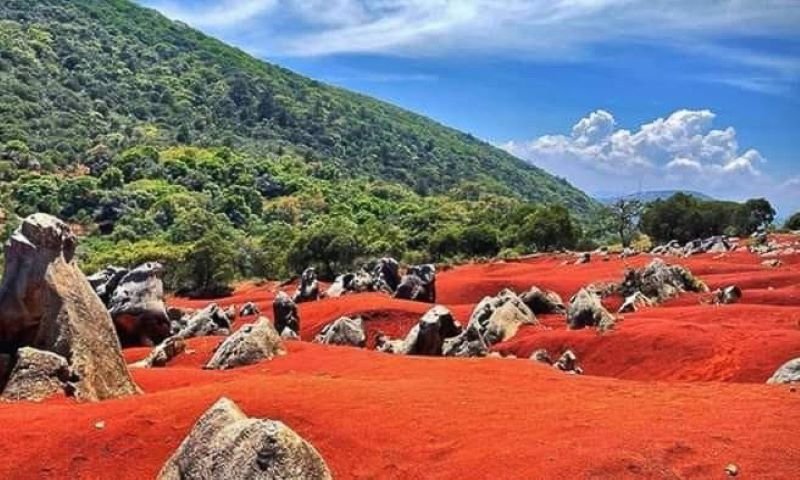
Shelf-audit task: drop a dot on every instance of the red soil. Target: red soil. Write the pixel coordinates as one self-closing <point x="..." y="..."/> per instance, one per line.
<point x="674" y="392"/>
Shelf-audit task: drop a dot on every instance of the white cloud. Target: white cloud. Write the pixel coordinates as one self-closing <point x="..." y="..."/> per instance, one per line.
<point x="221" y="14"/>
<point x="682" y="151"/>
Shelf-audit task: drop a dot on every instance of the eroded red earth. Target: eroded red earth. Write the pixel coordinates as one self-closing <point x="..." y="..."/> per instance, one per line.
<point x="676" y="391"/>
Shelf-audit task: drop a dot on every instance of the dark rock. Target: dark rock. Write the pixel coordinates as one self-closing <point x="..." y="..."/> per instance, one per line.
<point x="469" y="343"/>
<point x="210" y="321"/>
<point x="37" y="376"/>
<point x="250" y="344"/>
<point x="586" y="310"/>
<point x="427" y="337"/>
<point x="386" y="275"/>
<point x="106" y="281"/>
<point x="285" y="312"/>
<point x="418" y="284"/>
<point x="788" y="373"/>
<point x="309" y="287"/>
<point x="249" y="309"/>
<point x="568" y="362"/>
<point x="344" y="331"/>
<point x="728" y="295"/>
<point x="225" y="444"/>
<point x="47" y="303"/>
<point x="137" y="306"/>
<point x="542" y="356"/>
<point x="542" y="302"/>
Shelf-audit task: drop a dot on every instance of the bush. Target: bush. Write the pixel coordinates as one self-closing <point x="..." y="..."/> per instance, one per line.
<point x="794" y="222"/>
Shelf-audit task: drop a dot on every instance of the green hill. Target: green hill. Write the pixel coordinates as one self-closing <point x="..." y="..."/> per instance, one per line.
<point x="85" y="72"/>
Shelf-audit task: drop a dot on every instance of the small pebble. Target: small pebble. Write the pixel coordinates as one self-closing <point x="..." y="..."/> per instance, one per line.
<point x="100" y="425"/>
<point x="732" y="470"/>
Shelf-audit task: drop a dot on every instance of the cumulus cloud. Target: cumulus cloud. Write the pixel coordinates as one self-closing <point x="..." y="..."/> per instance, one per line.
<point x="682" y="150"/>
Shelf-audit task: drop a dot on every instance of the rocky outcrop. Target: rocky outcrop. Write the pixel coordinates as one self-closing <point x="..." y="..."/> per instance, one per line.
<point x="225" y="444"/>
<point x="285" y="312"/>
<point x="106" y="281"/>
<point x="788" y="373"/>
<point x="162" y="353"/>
<point x="250" y="344"/>
<point x="659" y="281"/>
<point x="418" y="284"/>
<point x="427" y="337"/>
<point x="38" y="375"/>
<point x="728" y="295"/>
<point x="542" y="302"/>
<point x="586" y="310"/>
<point x="137" y="306"/>
<point x="494" y="320"/>
<point x="344" y="331"/>
<point x="210" y="321"/>
<point x="308" y="291"/>
<point x="46" y="303"/>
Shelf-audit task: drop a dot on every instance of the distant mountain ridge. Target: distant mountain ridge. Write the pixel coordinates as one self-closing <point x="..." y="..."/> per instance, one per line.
<point x="653" y="195"/>
<point x="81" y="73"/>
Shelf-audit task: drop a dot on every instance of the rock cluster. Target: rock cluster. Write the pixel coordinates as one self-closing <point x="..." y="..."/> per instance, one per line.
<point x="714" y="244"/>
<point x="659" y="281"/>
<point x="46" y="303"/>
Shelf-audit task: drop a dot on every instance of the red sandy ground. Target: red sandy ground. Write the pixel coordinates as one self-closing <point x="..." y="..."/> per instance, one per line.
<point x="675" y="391"/>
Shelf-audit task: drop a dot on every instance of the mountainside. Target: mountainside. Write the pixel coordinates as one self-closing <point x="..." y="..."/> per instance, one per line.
<point x="87" y="72"/>
<point x="653" y="195"/>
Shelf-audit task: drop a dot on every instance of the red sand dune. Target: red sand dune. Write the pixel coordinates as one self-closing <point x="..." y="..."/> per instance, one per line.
<point x="676" y="391"/>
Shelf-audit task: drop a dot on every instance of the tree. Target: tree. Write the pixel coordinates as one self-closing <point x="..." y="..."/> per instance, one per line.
<point x="626" y="213"/>
<point x="794" y="222"/>
<point x="479" y="240"/>
<point x="208" y="268"/>
<point x="548" y="228"/>
<point x="331" y="247"/>
<point x="754" y="214"/>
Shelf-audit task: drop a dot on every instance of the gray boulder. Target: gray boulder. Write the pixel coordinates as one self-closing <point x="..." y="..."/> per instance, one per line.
<point x="418" y="284"/>
<point x="249" y="309"/>
<point x="542" y="356"/>
<point x="427" y="337"/>
<point x="728" y="295"/>
<point x="386" y="275"/>
<point x="586" y="310"/>
<point x="250" y="344"/>
<point x="788" y="373"/>
<point x="225" y="444"/>
<point x="568" y="363"/>
<point x="106" y="281"/>
<point x="542" y="302"/>
<point x="46" y="303"/>
<point x="210" y="321"/>
<point x="309" y="287"/>
<point x="285" y="312"/>
<point x="137" y="306"/>
<point x="659" y="281"/>
<point x="344" y="331"/>
<point x="37" y="376"/>
<point x="162" y="353"/>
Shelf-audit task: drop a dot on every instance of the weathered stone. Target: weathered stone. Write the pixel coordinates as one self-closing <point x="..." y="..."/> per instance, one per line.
<point x="542" y="356"/>
<point x="137" y="306"/>
<point x="106" y="281"/>
<point x="47" y="303"/>
<point x="344" y="331"/>
<point x="543" y="302"/>
<point x="210" y="321"/>
<point x="728" y="295"/>
<point x="418" y="284"/>
<point x="250" y="344"/>
<point x="249" y="309"/>
<point x="225" y="444"/>
<point x="788" y="373"/>
<point x="586" y="310"/>
<point x="309" y="287"/>
<point x="659" y="281"/>
<point x="427" y="337"/>
<point x="568" y="362"/>
<point x="469" y="343"/>
<point x="386" y="275"/>
<point x="499" y="318"/>
<point x="285" y="312"/>
<point x="585" y="257"/>
<point x="289" y="334"/>
<point x="634" y="302"/>
<point x="162" y="353"/>
<point x="38" y="375"/>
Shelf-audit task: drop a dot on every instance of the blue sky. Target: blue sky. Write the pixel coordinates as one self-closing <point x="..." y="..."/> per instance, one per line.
<point x="611" y="94"/>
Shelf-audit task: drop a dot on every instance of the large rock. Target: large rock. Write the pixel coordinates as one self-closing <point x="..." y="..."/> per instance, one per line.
<point x="210" y="321"/>
<point x="47" y="303"/>
<point x="285" y="312"/>
<point x="38" y="375"/>
<point x="225" y="444"/>
<point x="494" y="320"/>
<point x="788" y="373"/>
<point x="418" y="284"/>
<point x="659" y="281"/>
<point x="344" y="331"/>
<point x="250" y="344"/>
<point x="106" y="281"/>
<point x="386" y="275"/>
<point x="543" y="302"/>
<point x="586" y="310"/>
<point x="137" y="306"/>
<point x="427" y="337"/>
<point x="309" y="287"/>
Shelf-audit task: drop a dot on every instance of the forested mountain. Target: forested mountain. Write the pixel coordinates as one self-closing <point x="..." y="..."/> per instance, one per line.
<point x="80" y="73"/>
<point x="157" y="142"/>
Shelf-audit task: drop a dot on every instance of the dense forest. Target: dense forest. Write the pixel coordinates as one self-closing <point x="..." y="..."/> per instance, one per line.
<point x="159" y="143"/>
